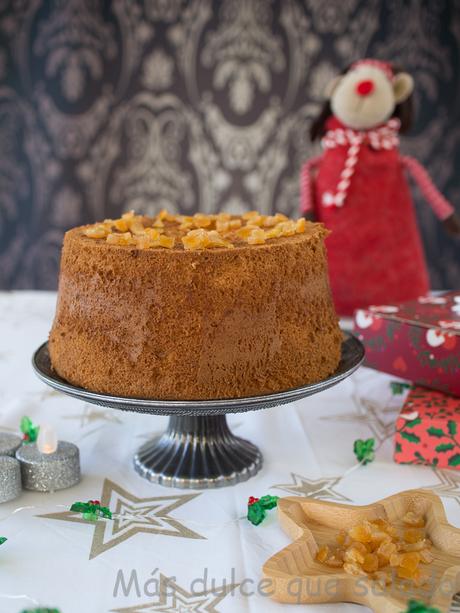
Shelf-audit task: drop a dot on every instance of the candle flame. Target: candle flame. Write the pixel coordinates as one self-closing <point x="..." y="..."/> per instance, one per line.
<point x="47" y="440"/>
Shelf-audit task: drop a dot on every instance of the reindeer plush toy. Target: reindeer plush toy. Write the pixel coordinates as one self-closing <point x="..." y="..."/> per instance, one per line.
<point x="359" y="189"/>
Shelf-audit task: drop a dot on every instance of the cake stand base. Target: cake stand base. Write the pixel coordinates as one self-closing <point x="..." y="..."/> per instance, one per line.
<point x="198" y="452"/>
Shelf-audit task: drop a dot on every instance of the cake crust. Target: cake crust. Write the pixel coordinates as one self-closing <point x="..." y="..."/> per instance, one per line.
<point x="194" y="324"/>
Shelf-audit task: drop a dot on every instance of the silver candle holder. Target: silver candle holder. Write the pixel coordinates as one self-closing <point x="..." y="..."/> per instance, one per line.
<point x="10" y="478"/>
<point x="9" y="443"/>
<point x="49" y="465"/>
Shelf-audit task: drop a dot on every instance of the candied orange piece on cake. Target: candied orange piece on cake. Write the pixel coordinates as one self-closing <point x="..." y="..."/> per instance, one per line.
<point x="256" y="237"/>
<point x="97" y="231"/>
<point x="202" y="221"/>
<point x="121" y="225"/>
<point x="120" y="239"/>
<point x="166" y="241"/>
<point x="300" y="225"/>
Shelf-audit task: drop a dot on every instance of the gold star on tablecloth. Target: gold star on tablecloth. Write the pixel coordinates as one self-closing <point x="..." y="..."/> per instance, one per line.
<point x="372" y="415"/>
<point x="449" y="486"/>
<point x="313" y="488"/>
<point x="174" y="599"/>
<point x="142" y="515"/>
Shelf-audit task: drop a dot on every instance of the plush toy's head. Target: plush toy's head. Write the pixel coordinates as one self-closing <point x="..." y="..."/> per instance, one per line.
<point x="366" y="95"/>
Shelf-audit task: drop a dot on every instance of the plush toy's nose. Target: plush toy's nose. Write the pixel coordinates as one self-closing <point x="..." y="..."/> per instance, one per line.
<point x="364" y="88"/>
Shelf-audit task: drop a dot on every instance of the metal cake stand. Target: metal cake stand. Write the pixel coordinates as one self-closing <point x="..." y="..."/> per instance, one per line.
<point x="198" y="450"/>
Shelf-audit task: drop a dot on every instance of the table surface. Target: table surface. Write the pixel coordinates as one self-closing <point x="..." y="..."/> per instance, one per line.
<point x="196" y="542"/>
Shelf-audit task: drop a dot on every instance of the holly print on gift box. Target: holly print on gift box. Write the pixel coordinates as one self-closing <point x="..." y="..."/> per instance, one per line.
<point x="428" y="429"/>
<point x="417" y="340"/>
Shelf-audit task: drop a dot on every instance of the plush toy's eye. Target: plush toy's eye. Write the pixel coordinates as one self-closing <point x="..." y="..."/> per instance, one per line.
<point x="364" y="88"/>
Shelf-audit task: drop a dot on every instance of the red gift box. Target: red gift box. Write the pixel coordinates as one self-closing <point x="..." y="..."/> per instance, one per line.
<point x="428" y="429"/>
<point x="417" y="340"/>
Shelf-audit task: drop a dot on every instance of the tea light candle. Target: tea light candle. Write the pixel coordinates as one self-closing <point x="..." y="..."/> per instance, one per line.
<point x="10" y="478"/>
<point x="49" y="465"/>
<point x="9" y="444"/>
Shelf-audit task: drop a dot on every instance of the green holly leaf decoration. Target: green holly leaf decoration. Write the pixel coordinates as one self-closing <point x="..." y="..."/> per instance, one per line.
<point x="29" y="430"/>
<point x="258" y="507"/>
<point x="413" y="423"/>
<point x="269" y="502"/>
<point x="364" y="450"/>
<point x="455" y="460"/>
<point x="436" y="432"/>
<point x="256" y="513"/>
<point x="452" y="427"/>
<point x="91" y="510"/>
<point x="398" y="448"/>
<point x="444" y="447"/>
<point x="398" y="387"/>
<point x="420" y="607"/>
<point x="3" y="539"/>
<point x="412" y="438"/>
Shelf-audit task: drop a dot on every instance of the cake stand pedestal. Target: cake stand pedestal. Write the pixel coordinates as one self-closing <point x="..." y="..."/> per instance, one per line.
<point x="198" y="450"/>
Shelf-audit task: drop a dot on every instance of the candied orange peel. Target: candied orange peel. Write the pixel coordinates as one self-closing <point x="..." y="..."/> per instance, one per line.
<point x="197" y="231"/>
<point x="382" y="551"/>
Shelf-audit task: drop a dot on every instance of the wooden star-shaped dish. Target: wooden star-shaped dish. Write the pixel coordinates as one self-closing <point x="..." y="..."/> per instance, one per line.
<point x="296" y="576"/>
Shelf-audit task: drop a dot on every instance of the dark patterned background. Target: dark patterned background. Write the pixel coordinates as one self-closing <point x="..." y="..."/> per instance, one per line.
<point x="107" y="106"/>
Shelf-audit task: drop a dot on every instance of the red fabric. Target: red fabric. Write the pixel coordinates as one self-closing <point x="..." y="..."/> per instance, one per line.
<point x="374" y="251"/>
<point x="306" y="184"/>
<point x="441" y="207"/>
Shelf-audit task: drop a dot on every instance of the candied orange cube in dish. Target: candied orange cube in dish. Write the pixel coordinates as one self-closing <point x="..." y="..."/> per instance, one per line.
<point x="322" y="553"/>
<point x="413" y="535"/>
<point x="352" y="568"/>
<point x="341" y="537"/>
<point x="371" y="562"/>
<point x="353" y="554"/>
<point x="410" y="560"/>
<point x="414" y="520"/>
<point x="405" y="573"/>
<point x="360" y="533"/>
<point x="335" y="560"/>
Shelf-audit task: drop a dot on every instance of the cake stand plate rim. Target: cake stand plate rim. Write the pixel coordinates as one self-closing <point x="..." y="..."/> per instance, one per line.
<point x="352" y="357"/>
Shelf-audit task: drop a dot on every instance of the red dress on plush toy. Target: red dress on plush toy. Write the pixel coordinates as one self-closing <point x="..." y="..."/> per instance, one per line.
<point x="361" y="191"/>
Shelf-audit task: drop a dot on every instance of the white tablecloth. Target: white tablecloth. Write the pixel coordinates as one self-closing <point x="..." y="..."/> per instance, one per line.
<point x="55" y="560"/>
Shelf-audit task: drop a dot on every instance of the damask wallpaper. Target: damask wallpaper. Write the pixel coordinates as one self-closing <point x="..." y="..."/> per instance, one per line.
<point x="106" y="106"/>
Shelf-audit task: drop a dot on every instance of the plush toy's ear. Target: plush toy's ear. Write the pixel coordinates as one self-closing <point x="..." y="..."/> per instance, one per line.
<point x="403" y="86"/>
<point x="330" y="87"/>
